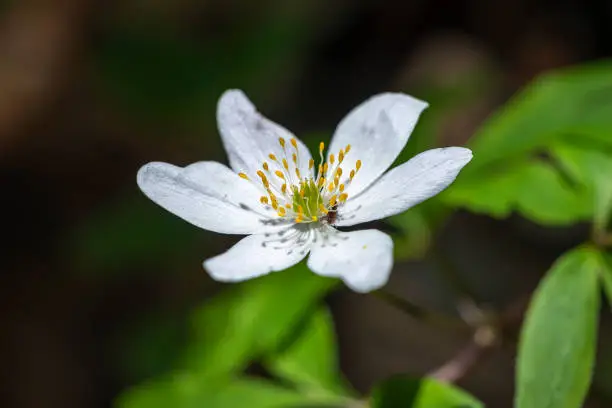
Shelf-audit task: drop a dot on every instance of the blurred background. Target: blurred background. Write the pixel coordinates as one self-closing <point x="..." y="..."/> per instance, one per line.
<point x="98" y="284"/>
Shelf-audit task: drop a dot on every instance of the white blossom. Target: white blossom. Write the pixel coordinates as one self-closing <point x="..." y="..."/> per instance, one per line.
<point x="289" y="204"/>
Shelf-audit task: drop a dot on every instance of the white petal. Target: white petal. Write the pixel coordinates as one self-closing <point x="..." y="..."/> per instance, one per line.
<point x="420" y="178"/>
<point x="377" y="131"/>
<point x="249" y="137"/>
<point x="257" y="255"/>
<point x="208" y="195"/>
<point x="363" y="259"/>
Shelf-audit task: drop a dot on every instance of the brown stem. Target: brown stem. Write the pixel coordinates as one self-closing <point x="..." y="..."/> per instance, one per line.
<point x="485" y="338"/>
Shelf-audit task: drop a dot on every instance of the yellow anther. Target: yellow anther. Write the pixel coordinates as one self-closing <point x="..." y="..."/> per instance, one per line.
<point x="288" y="205"/>
<point x="244" y="176"/>
<point x="338" y="172"/>
<point x="264" y="200"/>
<point x="265" y="166"/>
<point x="341" y="187"/>
<point x="323" y="209"/>
<point x="302" y="192"/>
<point x="325" y="168"/>
<point x="298" y="219"/>
<point x="331" y="186"/>
<point x="358" y="165"/>
<point x="294" y="142"/>
<point x="332" y="200"/>
<point x="343" y="197"/>
<point x="285" y="164"/>
<point x="282" y="142"/>
<point x="281" y="211"/>
<point x="352" y="174"/>
<point x="320" y="169"/>
<point x="274" y="201"/>
<point x="272" y="157"/>
<point x="310" y="164"/>
<point x="261" y="174"/>
<point x="300" y="210"/>
<point x="321" y="181"/>
<point x="284" y="188"/>
<point x="279" y="174"/>
<point x="297" y="173"/>
<point x="347" y="148"/>
<point x="314" y="218"/>
<point x="294" y="157"/>
<point x="340" y="156"/>
<point x="332" y="159"/>
<point x="321" y="147"/>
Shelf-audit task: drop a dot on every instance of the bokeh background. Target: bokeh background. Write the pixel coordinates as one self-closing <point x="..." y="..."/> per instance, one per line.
<point x="98" y="284"/>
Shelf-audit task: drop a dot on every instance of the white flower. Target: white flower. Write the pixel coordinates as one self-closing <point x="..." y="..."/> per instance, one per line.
<point x="290" y="206"/>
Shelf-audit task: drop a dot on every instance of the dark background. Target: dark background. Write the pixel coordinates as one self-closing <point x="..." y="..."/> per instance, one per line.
<point x="95" y="280"/>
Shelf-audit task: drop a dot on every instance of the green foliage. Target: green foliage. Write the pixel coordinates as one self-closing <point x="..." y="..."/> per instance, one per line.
<point x="310" y="362"/>
<point x="606" y="277"/>
<point x="558" y="340"/>
<point x="406" y="392"/>
<point x="512" y="169"/>
<point x="240" y="326"/>
<point x="253" y="319"/>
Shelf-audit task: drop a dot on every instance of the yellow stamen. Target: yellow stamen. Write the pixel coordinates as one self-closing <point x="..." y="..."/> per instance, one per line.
<point x="302" y="192"/>
<point x="310" y="164"/>
<point x="321" y="181"/>
<point x="244" y="176"/>
<point x="272" y="157"/>
<point x="332" y="200"/>
<point x="294" y="142"/>
<point x="321" y="147"/>
<point x="331" y="186"/>
<point x="265" y="166"/>
<point x="314" y="218"/>
<point x="300" y="210"/>
<point x="358" y="165"/>
<point x="297" y="173"/>
<point x="285" y="164"/>
<point x="284" y="188"/>
<point x="338" y="172"/>
<point x="298" y="219"/>
<point x="340" y="156"/>
<point x="343" y="197"/>
<point x="341" y="187"/>
<point x="279" y="174"/>
<point x="323" y="209"/>
<point x="281" y="211"/>
<point x="294" y="157"/>
<point x="264" y="200"/>
<point x="332" y="159"/>
<point x="282" y="142"/>
<point x="347" y="149"/>
<point x="325" y="168"/>
<point x="288" y="205"/>
<point x="352" y="174"/>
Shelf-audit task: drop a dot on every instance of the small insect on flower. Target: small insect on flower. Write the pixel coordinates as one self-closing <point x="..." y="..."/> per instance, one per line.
<point x="289" y="204"/>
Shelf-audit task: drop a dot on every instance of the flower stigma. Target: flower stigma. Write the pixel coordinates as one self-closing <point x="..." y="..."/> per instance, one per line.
<point x="305" y="199"/>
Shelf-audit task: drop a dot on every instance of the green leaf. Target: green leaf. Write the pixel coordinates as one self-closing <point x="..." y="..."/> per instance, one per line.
<point x="606" y="277"/>
<point x="406" y="392"/>
<point x="311" y="361"/>
<point x="533" y="188"/>
<point x="575" y="101"/>
<point x="557" y="345"/>
<point x="252" y="319"/>
<point x="187" y="392"/>
<point x="592" y="168"/>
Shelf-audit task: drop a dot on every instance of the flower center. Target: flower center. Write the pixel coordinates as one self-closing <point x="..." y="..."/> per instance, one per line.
<point x="305" y="199"/>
